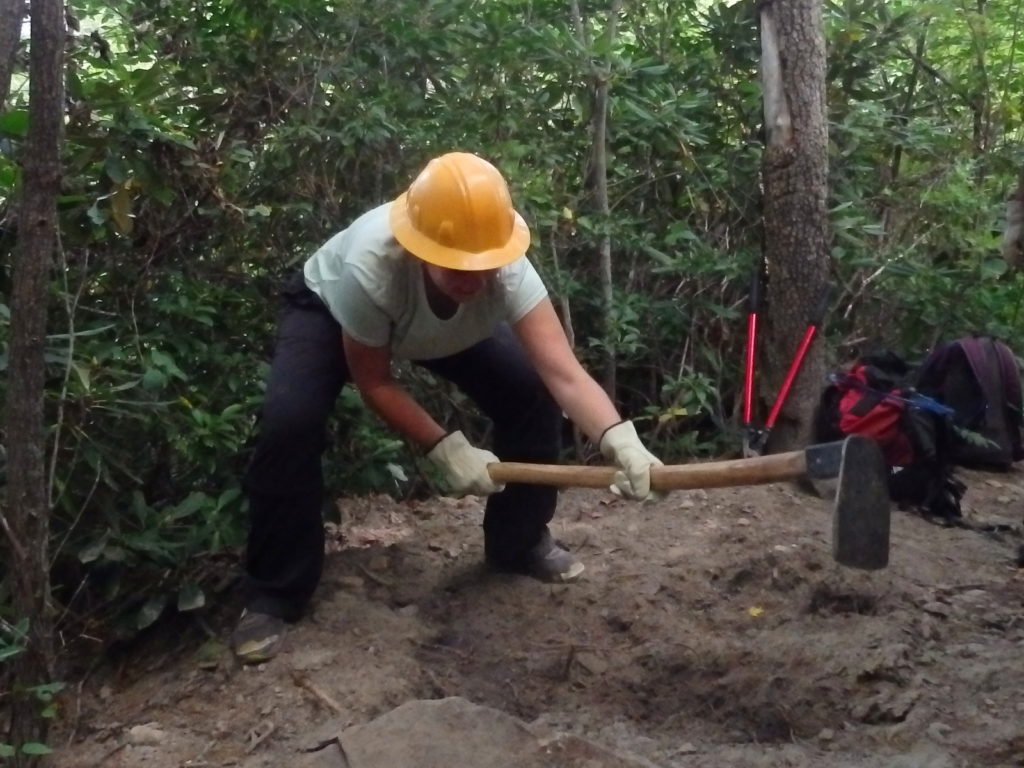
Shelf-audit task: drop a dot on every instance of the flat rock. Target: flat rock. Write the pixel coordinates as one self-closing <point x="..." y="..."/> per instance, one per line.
<point x="441" y="733"/>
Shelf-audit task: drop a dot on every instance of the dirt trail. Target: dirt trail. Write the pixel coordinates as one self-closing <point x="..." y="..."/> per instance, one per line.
<point x="710" y="629"/>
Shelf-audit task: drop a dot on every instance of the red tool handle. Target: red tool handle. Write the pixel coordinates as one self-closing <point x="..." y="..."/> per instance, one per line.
<point x="798" y="359"/>
<point x="794" y="369"/>
<point x="754" y="301"/>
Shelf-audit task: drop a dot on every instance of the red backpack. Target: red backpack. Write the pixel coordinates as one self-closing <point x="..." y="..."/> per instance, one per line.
<point x="874" y="397"/>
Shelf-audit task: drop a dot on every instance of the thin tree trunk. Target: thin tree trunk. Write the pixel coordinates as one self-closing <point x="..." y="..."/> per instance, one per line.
<point x="598" y="175"/>
<point x="908" y="102"/>
<point x="795" y="167"/>
<point x="25" y="517"/>
<point x="11" y="14"/>
<point x="1013" y="229"/>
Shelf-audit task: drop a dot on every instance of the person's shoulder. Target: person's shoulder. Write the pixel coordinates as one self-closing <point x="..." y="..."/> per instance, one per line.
<point x="366" y="240"/>
<point x="512" y="275"/>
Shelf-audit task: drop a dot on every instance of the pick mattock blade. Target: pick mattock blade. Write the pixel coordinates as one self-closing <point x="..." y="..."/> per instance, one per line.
<point x="861" y="515"/>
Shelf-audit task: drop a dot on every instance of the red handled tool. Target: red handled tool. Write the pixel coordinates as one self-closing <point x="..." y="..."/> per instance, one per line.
<point x="753" y="309"/>
<point x="754" y="439"/>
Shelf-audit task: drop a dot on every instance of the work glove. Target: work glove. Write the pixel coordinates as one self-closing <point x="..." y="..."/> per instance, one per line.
<point x="464" y="467"/>
<point x="621" y="444"/>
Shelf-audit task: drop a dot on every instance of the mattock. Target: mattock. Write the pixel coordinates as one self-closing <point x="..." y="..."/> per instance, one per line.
<point x="860" y="514"/>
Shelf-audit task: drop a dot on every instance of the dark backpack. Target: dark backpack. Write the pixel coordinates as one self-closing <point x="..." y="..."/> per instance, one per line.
<point x="875" y="397"/>
<point x="979" y="379"/>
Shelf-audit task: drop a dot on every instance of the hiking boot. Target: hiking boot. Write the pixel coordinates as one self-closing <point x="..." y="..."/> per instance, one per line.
<point x="550" y="561"/>
<point x="257" y="638"/>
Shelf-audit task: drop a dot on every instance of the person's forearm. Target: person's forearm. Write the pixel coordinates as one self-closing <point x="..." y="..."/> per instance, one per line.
<point x="586" y="404"/>
<point x="403" y="414"/>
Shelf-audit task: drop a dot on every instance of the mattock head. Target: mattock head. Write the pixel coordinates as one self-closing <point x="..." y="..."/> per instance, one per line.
<point x="861" y="513"/>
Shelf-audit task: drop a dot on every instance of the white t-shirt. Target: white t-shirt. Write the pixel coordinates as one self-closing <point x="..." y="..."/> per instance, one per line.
<point x="375" y="290"/>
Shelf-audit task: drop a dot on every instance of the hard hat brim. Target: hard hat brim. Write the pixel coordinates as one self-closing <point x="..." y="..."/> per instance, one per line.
<point x="424" y="248"/>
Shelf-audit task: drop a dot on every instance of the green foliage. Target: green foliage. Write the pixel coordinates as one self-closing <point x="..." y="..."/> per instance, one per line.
<point x="13" y="641"/>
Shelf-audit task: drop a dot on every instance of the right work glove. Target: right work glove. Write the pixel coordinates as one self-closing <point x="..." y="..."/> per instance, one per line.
<point x="621" y="444"/>
<point x="464" y="467"/>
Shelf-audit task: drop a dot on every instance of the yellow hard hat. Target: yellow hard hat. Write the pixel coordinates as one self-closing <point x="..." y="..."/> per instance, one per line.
<point x="458" y="214"/>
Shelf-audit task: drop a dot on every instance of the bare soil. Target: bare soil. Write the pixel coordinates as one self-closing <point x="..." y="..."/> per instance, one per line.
<point x="711" y="628"/>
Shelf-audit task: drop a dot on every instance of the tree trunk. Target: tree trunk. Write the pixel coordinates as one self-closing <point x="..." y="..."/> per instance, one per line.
<point x="25" y="518"/>
<point x="598" y="175"/>
<point x="11" y="14"/>
<point x="1013" y="229"/>
<point x="794" y="168"/>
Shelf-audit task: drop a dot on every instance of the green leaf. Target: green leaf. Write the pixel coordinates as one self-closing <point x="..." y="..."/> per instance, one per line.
<point x="190" y="597"/>
<point x="191" y="504"/>
<point x="167" y="364"/>
<point x="150" y="612"/>
<point x="35" y="748"/>
<point x="6" y="750"/>
<point x="153" y="378"/>
<point x="116" y="169"/>
<point x="46" y="691"/>
<point x="227" y="497"/>
<point x="83" y="374"/>
<point x="14" y="123"/>
<point x="92" y="552"/>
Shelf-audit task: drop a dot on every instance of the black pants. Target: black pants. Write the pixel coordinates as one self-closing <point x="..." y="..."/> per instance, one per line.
<point x="284" y="481"/>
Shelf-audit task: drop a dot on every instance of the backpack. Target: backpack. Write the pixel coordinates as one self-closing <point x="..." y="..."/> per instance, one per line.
<point x="978" y="377"/>
<point x="875" y="397"/>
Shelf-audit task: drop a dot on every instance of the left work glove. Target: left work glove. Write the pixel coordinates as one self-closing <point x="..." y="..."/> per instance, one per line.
<point x="464" y="467"/>
<point x="621" y="444"/>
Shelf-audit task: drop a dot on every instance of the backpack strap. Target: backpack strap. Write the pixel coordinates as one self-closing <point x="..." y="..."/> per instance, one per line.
<point x="979" y="351"/>
<point x="1004" y="392"/>
<point x="1012" y="393"/>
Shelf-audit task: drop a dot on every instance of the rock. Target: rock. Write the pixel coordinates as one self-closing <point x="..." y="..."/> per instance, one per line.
<point x="351" y="583"/>
<point x="442" y="733"/>
<point x="936" y="609"/>
<point x="826" y="734"/>
<point x="147" y="735"/>
<point x="939" y="731"/>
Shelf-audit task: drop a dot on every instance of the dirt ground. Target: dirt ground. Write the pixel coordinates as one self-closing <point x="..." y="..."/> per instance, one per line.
<point x="710" y="629"/>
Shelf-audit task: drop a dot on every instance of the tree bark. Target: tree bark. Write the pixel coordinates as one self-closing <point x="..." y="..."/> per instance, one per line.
<point x="1013" y="229"/>
<point x="598" y="175"/>
<point x="11" y="14"/>
<point x="795" y="175"/>
<point x="26" y="515"/>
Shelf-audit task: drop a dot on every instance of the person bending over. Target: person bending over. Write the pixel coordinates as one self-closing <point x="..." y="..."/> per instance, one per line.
<point x="438" y="277"/>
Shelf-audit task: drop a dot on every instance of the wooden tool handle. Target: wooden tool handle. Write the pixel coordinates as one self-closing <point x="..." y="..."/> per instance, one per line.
<point x="714" y="474"/>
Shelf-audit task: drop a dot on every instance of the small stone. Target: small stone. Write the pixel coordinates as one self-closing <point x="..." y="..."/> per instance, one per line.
<point x="972" y="650"/>
<point x="686" y="748"/>
<point x="939" y="731"/>
<point x="936" y="608"/>
<point x="826" y="734"/>
<point x="742" y="521"/>
<point x="148" y="735"/>
<point x="351" y="582"/>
